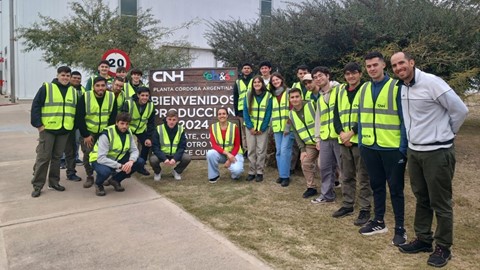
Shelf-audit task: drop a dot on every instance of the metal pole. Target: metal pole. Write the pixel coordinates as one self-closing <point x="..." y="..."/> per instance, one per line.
<point x="13" y="96"/>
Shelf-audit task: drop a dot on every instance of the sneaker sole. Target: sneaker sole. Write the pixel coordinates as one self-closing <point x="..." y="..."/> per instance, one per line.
<point x="384" y="230"/>
<point x="414" y="251"/>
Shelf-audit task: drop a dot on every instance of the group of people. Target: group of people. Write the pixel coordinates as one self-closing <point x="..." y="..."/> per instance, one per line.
<point x="354" y="132"/>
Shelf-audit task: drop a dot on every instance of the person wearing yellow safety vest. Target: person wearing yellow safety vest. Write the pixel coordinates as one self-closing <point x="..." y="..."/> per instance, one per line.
<point x="353" y="169"/>
<point x="53" y="114"/>
<point x="383" y="144"/>
<point x="302" y="118"/>
<point x="257" y="111"/>
<point x="225" y="141"/>
<point x="142" y="110"/>
<point x="117" y="89"/>
<point x="301" y="71"/>
<point x="325" y="135"/>
<point x="70" y="156"/>
<point x="121" y="72"/>
<point x="130" y="88"/>
<point x="281" y="127"/>
<point x="240" y="89"/>
<point x="103" y="68"/>
<point x="115" y="155"/>
<point x="168" y="147"/>
<point x="96" y="110"/>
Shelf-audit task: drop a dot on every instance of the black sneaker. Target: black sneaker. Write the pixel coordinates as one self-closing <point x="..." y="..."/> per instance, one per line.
<point x="63" y="165"/>
<point x="57" y="187"/>
<point x="79" y="161"/>
<point x="415" y="246"/>
<point x="400" y="236"/>
<point x="285" y="182"/>
<point x="363" y="217"/>
<point x="100" y="190"/>
<point x="213" y="180"/>
<point x="144" y="171"/>
<point x="440" y="257"/>
<point x="373" y="227"/>
<point x="310" y="192"/>
<point x="337" y="184"/>
<point x="116" y="185"/>
<point x="250" y="177"/>
<point x="279" y="180"/>
<point x="89" y="182"/>
<point x="36" y="192"/>
<point x="259" y="178"/>
<point x="74" y="178"/>
<point x="343" y="212"/>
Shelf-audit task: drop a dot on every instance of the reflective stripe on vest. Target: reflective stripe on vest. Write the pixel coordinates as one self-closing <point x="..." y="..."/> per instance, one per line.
<point x="168" y="147"/>
<point x="117" y="149"/>
<point x="380" y="122"/>
<point x="227" y="144"/>
<point x="258" y="110"/>
<point x="129" y="90"/>
<point x="139" y="122"/>
<point x="96" y="117"/>
<point x="280" y="112"/>
<point x="58" y="112"/>
<point x="305" y="129"/>
<point x="327" y="129"/>
<point x="347" y="112"/>
<point x="242" y="92"/>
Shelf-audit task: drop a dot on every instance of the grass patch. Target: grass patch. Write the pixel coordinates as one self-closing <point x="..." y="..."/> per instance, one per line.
<point x="288" y="232"/>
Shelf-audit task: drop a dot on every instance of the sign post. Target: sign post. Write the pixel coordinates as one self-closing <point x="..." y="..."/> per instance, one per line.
<point x="196" y="94"/>
<point x="116" y="58"/>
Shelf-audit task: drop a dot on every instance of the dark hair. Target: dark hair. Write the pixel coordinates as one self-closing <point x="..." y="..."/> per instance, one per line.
<point x="142" y="89"/>
<point x="301" y="67"/>
<point x="278" y="75"/>
<point x="103" y="62"/>
<point x="265" y="63"/>
<point x="352" y="66"/>
<point x="247" y="64"/>
<point x="295" y="90"/>
<point x="252" y="92"/>
<point x="121" y="69"/>
<point x="136" y="71"/>
<point x="374" y="54"/>
<point x="76" y="73"/>
<point x="171" y="113"/>
<point x="99" y="79"/>
<point x="407" y="55"/>
<point x="222" y="108"/>
<point x="323" y="70"/>
<point x="63" y="69"/>
<point x="124" y="117"/>
<point x="120" y="79"/>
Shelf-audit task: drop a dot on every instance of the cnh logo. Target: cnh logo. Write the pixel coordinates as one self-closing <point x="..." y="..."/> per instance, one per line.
<point x="164" y="76"/>
<point x="214" y="76"/>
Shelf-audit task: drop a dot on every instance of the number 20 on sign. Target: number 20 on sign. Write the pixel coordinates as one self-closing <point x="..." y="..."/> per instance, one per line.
<point x="116" y="58"/>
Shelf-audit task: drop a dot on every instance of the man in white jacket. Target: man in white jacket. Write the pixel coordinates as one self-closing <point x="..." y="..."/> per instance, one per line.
<point x="433" y="114"/>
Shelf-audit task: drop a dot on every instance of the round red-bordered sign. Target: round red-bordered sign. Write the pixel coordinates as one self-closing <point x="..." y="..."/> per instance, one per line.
<point x="116" y="58"/>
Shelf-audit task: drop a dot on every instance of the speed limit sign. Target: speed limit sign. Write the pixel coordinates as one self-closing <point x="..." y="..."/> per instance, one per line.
<point x="116" y="58"/>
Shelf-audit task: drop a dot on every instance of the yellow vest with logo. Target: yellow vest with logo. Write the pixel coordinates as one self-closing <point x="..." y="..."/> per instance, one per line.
<point x="327" y="129"/>
<point x="258" y="110"/>
<point x="139" y="122"/>
<point x="280" y="112"/>
<point x="58" y="112"/>
<point x="168" y="147"/>
<point x="305" y="130"/>
<point x="379" y="120"/>
<point x="242" y="92"/>
<point x="228" y="143"/>
<point x="96" y="117"/>
<point x="117" y="149"/>
<point x="347" y="112"/>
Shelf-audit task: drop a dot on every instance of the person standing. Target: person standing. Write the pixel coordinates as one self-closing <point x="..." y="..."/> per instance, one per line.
<point x="103" y="68"/>
<point x="115" y="155"/>
<point x="131" y="87"/>
<point x="240" y="89"/>
<point x="53" y="114"/>
<point x="301" y="71"/>
<point x="97" y="110"/>
<point x="383" y="145"/>
<point x="433" y="114"/>
<point x="168" y="147"/>
<point x="266" y="72"/>
<point x="345" y="117"/>
<point x="257" y="112"/>
<point x="117" y="89"/>
<point x="225" y="141"/>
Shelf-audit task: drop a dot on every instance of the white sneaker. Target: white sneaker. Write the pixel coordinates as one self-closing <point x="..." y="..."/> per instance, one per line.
<point x="157" y="177"/>
<point x="176" y="175"/>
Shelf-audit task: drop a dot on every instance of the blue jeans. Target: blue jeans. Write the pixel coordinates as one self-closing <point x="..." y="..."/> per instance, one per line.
<point x="104" y="172"/>
<point x="214" y="158"/>
<point x="283" y="145"/>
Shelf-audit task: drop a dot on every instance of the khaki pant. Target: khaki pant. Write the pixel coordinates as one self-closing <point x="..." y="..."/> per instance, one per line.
<point x="310" y="165"/>
<point x="49" y="151"/>
<point x="257" y="152"/>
